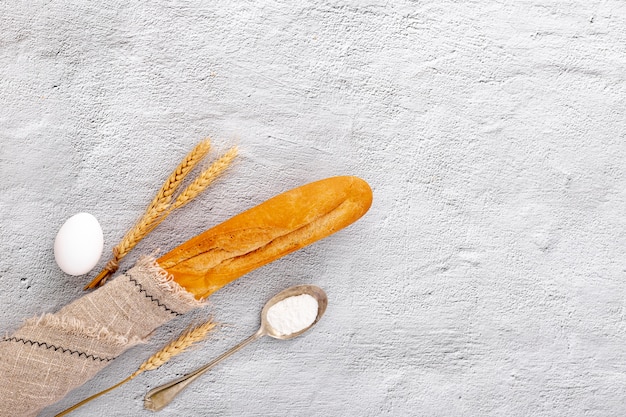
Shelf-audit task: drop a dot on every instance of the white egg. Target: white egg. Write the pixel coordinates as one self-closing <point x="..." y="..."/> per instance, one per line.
<point x="78" y="245"/>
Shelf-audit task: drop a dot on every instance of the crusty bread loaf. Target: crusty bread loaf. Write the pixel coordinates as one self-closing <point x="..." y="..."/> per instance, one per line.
<point x="266" y="232"/>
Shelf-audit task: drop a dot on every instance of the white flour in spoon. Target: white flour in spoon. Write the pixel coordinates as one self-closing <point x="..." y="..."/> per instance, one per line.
<point x="292" y="314"/>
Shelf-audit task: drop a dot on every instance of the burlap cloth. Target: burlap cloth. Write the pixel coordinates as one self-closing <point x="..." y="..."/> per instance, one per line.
<point x="52" y="354"/>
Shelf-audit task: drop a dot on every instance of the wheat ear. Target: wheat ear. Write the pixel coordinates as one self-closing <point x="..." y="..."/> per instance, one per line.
<point x="161" y="206"/>
<point x="187" y="339"/>
<point x="205" y="178"/>
<point x="198" y="185"/>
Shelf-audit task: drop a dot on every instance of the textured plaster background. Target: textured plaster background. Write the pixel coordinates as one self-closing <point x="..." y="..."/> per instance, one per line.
<point x="487" y="279"/>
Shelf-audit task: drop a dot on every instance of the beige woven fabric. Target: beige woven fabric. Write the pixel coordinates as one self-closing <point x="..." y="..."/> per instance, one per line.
<point x="52" y="354"/>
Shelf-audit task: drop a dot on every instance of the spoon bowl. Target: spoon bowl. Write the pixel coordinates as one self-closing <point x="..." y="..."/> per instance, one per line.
<point x="312" y="290"/>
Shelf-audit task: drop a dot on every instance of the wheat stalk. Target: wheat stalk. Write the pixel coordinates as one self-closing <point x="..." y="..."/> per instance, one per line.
<point x="160" y="203"/>
<point x="187" y="339"/>
<point x="161" y="206"/>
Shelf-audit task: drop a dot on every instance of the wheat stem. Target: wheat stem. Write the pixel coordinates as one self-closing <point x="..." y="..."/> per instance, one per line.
<point x="93" y="397"/>
<point x="187" y="339"/>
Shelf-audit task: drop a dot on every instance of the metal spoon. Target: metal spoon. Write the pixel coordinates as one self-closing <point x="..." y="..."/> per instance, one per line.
<point x="161" y="396"/>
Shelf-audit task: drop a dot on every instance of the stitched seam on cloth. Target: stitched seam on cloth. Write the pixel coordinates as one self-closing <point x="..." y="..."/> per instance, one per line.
<point x="77" y="327"/>
<point x="152" y="298"/>
<point x="56" y="348"/>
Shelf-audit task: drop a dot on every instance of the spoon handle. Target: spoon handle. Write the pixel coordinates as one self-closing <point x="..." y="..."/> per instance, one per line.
<point x="157" y="398"/>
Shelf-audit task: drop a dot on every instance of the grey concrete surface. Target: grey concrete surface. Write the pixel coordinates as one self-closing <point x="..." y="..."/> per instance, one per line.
<point x="487" y="279"/>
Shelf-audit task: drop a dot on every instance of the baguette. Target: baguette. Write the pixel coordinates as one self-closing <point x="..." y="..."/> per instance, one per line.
<point x="266" y="232"/>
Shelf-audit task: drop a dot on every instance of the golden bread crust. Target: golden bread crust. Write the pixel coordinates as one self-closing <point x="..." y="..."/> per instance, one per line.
<point x="262" y="234"/>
